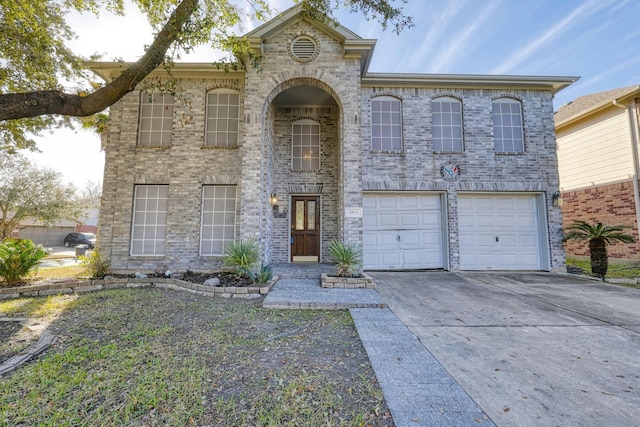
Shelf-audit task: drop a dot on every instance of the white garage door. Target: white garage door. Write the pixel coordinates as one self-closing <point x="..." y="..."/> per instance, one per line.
<point x="402" y="231"/>
<point x="499" y="232"/>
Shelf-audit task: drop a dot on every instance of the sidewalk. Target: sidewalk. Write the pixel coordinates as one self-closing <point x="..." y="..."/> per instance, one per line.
<point x="417" y="389"/>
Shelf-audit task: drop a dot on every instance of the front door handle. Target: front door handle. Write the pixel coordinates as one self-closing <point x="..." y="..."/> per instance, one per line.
<point x="398" y="238"/>
<point x="497" y="239"/>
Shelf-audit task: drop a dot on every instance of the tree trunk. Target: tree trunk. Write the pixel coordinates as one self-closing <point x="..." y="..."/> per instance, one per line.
<point x="599" y="257"/>
<point x="32" y="104"/>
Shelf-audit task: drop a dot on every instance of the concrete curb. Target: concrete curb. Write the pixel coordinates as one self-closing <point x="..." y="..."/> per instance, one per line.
<point x="45" y="340"/>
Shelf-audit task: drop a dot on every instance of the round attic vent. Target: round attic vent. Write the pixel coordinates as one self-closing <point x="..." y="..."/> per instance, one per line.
<point x="304" y="48"/>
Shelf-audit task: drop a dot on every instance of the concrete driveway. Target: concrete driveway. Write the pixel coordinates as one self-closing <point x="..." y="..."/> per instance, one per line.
<point x="532" y="349"/>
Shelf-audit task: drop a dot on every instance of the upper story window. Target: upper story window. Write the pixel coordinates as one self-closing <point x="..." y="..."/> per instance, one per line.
<point x="223" y="117"/>
<point x="446" y="116"/>
<point x="305" y="145"/>
<point x="156" y="119"/>
<point x="507" y="125"/>
<point x="386" y="124"/>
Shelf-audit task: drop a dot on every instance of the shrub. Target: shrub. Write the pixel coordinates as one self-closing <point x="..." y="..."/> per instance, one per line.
<point x="96" y="266"/>
<point x="17" y="258"/>
<point x="348" y="256"/>
<point x="243" y="255"/>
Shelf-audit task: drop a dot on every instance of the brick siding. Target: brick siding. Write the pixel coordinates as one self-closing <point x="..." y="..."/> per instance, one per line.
<point x="612" y="204"/>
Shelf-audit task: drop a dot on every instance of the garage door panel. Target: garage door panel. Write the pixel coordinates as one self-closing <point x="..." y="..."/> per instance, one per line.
<point x="388" y="202"/>
<point x="408" y="230"/>
<point x="512" y="219"/>
<point x="409" y="219"/>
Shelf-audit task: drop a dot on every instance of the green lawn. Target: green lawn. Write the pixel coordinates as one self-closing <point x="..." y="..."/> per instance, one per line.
<point x="616" y="271"/>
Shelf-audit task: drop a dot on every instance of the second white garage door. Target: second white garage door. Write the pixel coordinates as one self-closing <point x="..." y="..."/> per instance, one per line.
<point x="402" y="231"/>
<point x="499" y="232"/>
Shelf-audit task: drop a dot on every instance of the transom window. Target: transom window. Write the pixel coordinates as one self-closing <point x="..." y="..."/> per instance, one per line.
<point x="156" y="119"/>
<point x="446" y="116"/>
<point x="305" y="145"/>
<point x="218" y="222"/>
<point x="223" y="109"/>
<point x="386" y="124"/>
<point x="149" y="225"/>
<point x="507" y="125"/>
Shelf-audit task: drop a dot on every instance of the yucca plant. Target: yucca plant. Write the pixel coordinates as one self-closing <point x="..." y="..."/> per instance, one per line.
<point x="598" y="237"/>
<point x="243" y="255"/>
<point x="347" y="256"/>
<point x="18" y="257"/>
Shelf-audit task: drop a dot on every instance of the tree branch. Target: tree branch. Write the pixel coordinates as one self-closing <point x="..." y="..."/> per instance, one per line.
<point x="31" y="104"/>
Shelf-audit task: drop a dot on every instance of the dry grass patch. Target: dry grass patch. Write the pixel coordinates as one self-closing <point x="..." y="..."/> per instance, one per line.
<point x="153" y="357"/>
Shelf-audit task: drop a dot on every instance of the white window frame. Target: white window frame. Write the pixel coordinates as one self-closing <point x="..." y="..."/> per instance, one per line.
<point x="305" y="145"/>
<point x="222" y="120"/>
<point x="149" y="220"/>
<point x="508" y="125"/>
<point x="386" y="124"/>
<point x="155" y="126"/>
<point x="447" y="135"/>
<point x="218" y="214"/>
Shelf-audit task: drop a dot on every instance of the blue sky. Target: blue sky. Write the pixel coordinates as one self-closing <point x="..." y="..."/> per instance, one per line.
<point x="598" y="40"/>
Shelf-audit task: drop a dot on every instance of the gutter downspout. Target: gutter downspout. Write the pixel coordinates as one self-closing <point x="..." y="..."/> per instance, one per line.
<point x="633" y="137"/>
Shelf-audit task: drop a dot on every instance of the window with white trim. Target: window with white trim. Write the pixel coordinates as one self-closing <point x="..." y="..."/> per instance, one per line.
<point x="506" y="114"/>
<point x="218" y="222"/>
<point x="446" y="117"/>
<point x="149" y="225"/>
<point x="223" y="118"/>
<point x="305" y="145"/>
<point x="386" y="124"/>
<point x="156" y="119"/>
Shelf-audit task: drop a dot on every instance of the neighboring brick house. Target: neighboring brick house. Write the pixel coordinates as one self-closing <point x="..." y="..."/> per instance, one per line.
<point x="599" y="165"/>
<point x="429" y="171"/>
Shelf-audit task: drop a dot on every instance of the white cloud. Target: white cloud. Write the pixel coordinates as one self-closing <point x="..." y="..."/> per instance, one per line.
<point x="438" y="29"/>
<point x="460" y="42"/>
<point x="548" y="35"/>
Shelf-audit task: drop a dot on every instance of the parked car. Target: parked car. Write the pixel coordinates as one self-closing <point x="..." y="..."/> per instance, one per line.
<point x="73" y="239"/>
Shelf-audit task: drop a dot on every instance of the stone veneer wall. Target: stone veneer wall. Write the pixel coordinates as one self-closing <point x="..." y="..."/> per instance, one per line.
<point x="417" y="167"/>
<point x="612" y="204"/>
<point x="278" y="71"/>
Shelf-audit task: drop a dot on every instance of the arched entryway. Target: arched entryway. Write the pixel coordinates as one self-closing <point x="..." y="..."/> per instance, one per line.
<point x="302" y="150"/>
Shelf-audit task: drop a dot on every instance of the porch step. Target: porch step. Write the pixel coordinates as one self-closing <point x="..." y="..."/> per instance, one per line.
<point x="307" y="270"/>
<point x="304" y="293"/>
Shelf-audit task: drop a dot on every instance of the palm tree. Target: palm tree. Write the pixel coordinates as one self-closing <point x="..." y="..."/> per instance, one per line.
<point x="598" y="236"/>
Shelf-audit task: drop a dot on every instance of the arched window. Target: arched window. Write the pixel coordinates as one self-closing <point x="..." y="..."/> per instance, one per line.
<point x="386" y="124"/>
<point x="507" y="125"/>
<point x="446" y="118"/>
<point x="222" y="123"/>
<point x="305" y="145"/>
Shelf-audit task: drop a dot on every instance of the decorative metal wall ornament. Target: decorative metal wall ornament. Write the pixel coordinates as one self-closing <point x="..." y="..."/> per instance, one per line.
<point x="450" y="171"/>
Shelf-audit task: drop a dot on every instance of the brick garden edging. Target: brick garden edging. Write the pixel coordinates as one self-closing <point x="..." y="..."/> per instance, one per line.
<point x="152" y="282"/>
<point x="333" y="282"/>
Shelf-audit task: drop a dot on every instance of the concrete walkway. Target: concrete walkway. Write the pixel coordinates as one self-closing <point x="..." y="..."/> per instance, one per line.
<point x="417" y="389"/>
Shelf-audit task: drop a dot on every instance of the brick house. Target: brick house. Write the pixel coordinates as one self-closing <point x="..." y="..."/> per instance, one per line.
<point x="449" y="172"/>
<point x="599" y="165"/>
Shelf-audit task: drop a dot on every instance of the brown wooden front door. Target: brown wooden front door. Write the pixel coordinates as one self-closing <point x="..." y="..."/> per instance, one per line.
<point x="305" y="228"/>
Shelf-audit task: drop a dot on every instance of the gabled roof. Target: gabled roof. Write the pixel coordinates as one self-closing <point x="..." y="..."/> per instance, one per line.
<point x="352" y="43"/>
<point x="293" y="15"/>
<point x="589" y="104"/>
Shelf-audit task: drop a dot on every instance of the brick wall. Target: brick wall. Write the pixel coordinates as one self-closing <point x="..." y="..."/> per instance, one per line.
<point x="612" y="204"/>
<point x="417" y="167"/>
